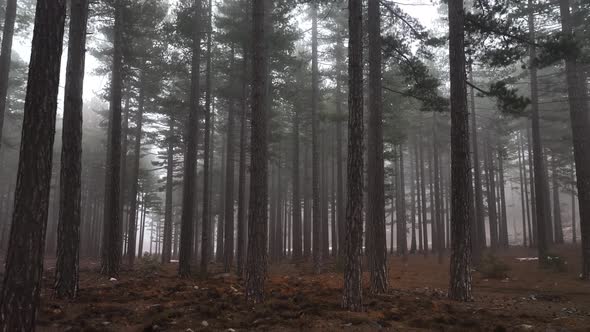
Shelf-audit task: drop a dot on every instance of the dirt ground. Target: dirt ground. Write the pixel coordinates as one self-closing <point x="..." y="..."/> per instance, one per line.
<point x="153" y="298"/>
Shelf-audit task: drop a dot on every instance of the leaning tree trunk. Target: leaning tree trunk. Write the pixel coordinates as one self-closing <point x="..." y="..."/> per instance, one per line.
<point x="353" y="296"/>
<point x="256" y="265"/>
<point x="190" y="158"/>
<point x="578" y="102"/>
<point x="5" y="57"/>
<point x="68" y="232"/>
<point x="375" y="172"/>
<point x="111" y="250"/>
<point x="132" y="230"/>
<point x="460" y="281"/>
<point x="24" y="261"/>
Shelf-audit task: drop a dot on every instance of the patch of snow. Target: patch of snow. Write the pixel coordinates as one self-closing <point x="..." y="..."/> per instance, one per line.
<point x="526" y="259"/>
<point x="113" y="279"/>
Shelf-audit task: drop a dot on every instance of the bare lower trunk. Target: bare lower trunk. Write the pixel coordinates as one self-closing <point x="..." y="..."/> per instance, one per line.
<point x="23" y="272"/>
<point x="68" y="234"/>
<point x="352" y="297"/>
<point x="460" y="278"/>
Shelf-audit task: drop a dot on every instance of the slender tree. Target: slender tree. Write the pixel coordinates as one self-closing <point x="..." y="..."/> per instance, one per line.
<point x="68" y="234"/>
<point x="21" y="286"/>
<point x="315" y="148"/>
<point x="190" y="157"/>
<point x="376" y="171"/>
<point x="111" y="243"/>
<point x="5" y="56"/>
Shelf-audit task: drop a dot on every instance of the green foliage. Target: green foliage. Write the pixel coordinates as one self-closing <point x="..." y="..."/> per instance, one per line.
<point x="492" y="267"/>
<point x="508" y="99"/>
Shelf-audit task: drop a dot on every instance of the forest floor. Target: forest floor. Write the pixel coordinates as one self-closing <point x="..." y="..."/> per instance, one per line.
<point x="153" y="298"/>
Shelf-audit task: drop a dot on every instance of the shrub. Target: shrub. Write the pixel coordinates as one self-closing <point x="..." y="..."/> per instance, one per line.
<point x="492" y="267"/>
<point x="556" y="263"/>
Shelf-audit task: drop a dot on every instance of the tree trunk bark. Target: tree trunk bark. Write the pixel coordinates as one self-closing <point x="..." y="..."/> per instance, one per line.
<point x="461" y="201"/>
<point x="578" y="102"/>
<point x="352" y="299"/>
<point x="5" y="57"/>
<point x="132" y="231"/>
<point x="228" y="242"/>
<point x="241" y="250"/>
<point x="68" y="234"/>
<point x="256" y="267"/>
<point x="167" y="252"/>
<point x="191" y="146"/>
<point x="24" y="261"/>
<point x="558" y="229"/>
<point x="537" y="148"/>
<point x="315" y="154"/>
<point x="111" y="250"/>
<point x="375" y="171"/>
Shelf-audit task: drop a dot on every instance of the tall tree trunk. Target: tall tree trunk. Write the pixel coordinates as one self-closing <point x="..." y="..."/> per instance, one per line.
<point x="461" y="201"/>
<point x="297" y="252"/>
<point x="352" y="299"/>
<point x="573" y="189"/>
<point x="491" y="188"/>
<point x="111" y="250"/>
<point x="221" y="205"/>
<point x="522" y="183"/>
<point x="206" y="217"/>
<point x="190" y="159"/>
<point x="306" y="205"/>
<point x="531" y="172"/>
<point x="5" y="57"/>
<point x="375" y="171"/>
<point x="315" y="154"/>
<point x="24" y="261"/>
<point x="502" y="189"/>
<point x="68" y="234"/>
<point x="256" y="267"/>
<point x="229" y="185"/>
<point x="538" y="161"/>
<point x="242" y="169"/>
<point x="578" y="104"/>
<point x="167" y="252"/>
<point x="440" y="231"/>
<point x="341" y="205"/>
<point x="132" y="231"/>
<point x="558" y="229"/>
<point x="423" y="191"/>
<point x="479" y="241"/>
<point x="421" y="221"/>
<point x="413" y="245"/>
<point x="401" y="206"/>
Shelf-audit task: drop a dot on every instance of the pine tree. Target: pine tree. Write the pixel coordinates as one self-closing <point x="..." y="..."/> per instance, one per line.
<point x="21" y="286"/>
<point x="256" y="265"/>
<point x="68" y="234"/>
<point x="460" y="281"/>
<point x="353" y="297"/>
